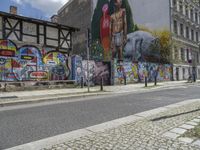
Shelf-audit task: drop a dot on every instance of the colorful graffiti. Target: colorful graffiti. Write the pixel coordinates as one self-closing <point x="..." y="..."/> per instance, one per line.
<point x="97" y="70"/>
<point x="29" y="64"/>
<point x="128" y="70"/>
<point x="77" y="68"/>
<point x="136" y="72"/>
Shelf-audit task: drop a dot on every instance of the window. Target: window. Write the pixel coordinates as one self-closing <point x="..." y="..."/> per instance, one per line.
<point x="174" y="3"/>
<point x="192" y="34"/>
<point x="186" y="11"/>
<point x="176" y="53"/>
<point x="187" y="33"/>
<point x="181" y="7"/>
<point x="175" y="27"/>
<point x="197" y="36"/>
<point x="182" y="54"/>
<point x="181" y="30"/>
<point x="196" y="17"/>
<point x="192" y="14"/>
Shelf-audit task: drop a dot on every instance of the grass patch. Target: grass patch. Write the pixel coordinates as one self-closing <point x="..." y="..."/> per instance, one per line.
<point x="193" y="132"/>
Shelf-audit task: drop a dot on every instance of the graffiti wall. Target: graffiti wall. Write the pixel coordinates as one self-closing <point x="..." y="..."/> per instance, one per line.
<point x="97" y="70"/>
<point x="128" y="69"/>
<point x="77" y="69"/>
<point x="28" y="63"/>
<point x="136" y="72"/>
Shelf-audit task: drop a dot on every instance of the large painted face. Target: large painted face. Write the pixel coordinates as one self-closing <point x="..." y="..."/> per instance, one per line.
<point x="118" y="3"/>
<point x="105" y="9"/>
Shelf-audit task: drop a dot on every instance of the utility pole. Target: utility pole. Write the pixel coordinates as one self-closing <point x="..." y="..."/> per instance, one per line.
<point x="88" y="58"/>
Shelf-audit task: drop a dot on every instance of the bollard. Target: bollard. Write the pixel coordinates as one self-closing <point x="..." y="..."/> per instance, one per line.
<point x="101" y="84"/>
<point x="145" y="81"/>
<point x="155" y="82"/>
<point x="81" y="82"/>
<point x="124" y="79"/>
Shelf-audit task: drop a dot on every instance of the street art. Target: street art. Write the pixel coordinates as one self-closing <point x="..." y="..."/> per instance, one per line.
<point x="128" y="70"/>
<point x="97" y="70"/>
<point x="27" y="63"/>
<point x="113" y="28"/>
<point x="7" y="48"/>
<point x="136" y="72"/>
<point x="104" y="32"/>
<point x="110" y="25"/>
<point x="77" y="68"/>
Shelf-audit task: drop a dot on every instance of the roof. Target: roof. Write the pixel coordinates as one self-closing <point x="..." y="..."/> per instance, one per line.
<point x="65" y="6"/>
<point x="38" y="21"/>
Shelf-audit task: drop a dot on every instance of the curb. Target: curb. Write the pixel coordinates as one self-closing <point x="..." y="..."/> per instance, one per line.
<point x="82" y="95"/>
<point x="49" y="99"/>
<point x="49" y="142"/>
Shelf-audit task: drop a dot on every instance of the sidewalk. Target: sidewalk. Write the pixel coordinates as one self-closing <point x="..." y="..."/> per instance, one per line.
<point x="151" y="130"/>
<point x="21" y="97"/>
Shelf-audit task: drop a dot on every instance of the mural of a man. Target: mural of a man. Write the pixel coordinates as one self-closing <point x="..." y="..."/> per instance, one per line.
<point x="104" y="32"/>
<point x="118" y="30"/>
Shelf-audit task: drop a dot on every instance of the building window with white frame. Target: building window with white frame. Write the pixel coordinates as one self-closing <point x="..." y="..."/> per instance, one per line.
<point x="197" y="36"/>
<point x="181" y="30"/>
<point x="174" y="3"/>
<point x="182" y="54"/>
<point x="186" y="11"/>
<point x="191" y="14"/>
<point x="192" y="34"/>
<point x="181" y="7"/>
<point x="187" y="33"/>
<point x="175" y="27"/>
<point x="196" y="17"/>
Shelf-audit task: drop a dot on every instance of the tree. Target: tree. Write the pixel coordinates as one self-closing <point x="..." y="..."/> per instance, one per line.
<point x="129" y="16"/>
<point x="96" y="20"/>
<point x="165" y="43"/>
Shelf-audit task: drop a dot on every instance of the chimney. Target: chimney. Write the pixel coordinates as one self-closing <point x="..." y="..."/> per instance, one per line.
<point x="13" y="10"/>
<point x="54" y="19"/>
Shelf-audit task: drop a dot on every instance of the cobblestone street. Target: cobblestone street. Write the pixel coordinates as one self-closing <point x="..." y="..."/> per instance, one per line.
<point x="145" y="134"/>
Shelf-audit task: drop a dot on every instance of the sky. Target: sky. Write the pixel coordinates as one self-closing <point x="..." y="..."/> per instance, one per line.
<point x="41" y="9"/>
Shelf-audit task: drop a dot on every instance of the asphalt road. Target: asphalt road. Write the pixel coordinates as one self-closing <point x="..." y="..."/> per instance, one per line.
<point x="29" y="123"/>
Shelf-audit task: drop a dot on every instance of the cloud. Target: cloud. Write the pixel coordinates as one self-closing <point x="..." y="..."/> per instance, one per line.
<point x="49" y="7"/>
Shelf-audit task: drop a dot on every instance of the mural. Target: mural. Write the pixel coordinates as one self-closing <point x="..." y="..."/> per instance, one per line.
<point x="109" y="27"/>
<point x="97" y="70"/>
<point x="135" y="72"/>
<point x="28" y="63"/>
<point x="113" y="30"/>
<point x="77" y="69"/>
<point x="128" y="69"/>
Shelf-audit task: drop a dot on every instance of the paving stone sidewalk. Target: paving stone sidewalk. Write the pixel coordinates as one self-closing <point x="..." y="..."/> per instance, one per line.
<point x="145" y="134"/>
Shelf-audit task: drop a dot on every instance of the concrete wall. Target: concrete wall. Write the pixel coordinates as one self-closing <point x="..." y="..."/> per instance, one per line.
<point x="77" y="13"/>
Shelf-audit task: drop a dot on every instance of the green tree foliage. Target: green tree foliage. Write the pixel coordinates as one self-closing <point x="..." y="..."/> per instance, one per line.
<point x="129" y="16"/>
<point x="96" y="19"/>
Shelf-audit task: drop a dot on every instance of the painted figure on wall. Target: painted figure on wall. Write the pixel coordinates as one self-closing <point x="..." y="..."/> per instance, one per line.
<point x="104" y="32"/>
<point x="118" y="30"/>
